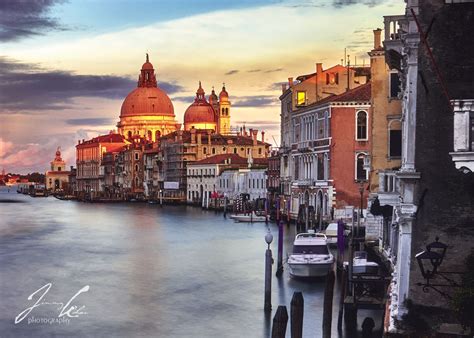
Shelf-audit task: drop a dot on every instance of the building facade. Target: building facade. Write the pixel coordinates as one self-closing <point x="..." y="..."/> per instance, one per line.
<point x="435" y="184"/>
<point x="57" y="178"/>
<point x="183" y="147"/>
<point x="89" y="156"/>
<point x="302" y="160"/>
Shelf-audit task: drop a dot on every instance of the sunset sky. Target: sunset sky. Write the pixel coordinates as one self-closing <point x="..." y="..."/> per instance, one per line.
<point x="66" y="66"/>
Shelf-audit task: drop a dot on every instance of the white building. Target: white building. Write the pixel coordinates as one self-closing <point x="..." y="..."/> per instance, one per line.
<point x="204" y="177"/>
<point x="402" y="38"/>
<point x="252" y="181"/>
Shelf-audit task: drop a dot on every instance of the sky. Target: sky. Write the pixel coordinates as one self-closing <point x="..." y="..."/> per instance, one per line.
<point x="66" y="66"/>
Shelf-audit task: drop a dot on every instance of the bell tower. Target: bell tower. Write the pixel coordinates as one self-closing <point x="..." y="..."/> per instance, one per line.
<point x="224" y="111"/>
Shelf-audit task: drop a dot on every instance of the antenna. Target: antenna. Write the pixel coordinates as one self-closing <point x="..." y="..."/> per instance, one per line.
<point x="273" y="137"/>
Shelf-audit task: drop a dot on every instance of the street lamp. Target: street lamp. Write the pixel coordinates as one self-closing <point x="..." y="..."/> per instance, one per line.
<point x="429" y="261"/>
<point x="361" y="192"/>
<point x="268" y="272"/>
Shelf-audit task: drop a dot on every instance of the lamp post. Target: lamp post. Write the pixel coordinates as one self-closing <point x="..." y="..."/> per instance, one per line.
<point x="161" y="198"/>
<point x="268" y="272"/>
<point x="429" y="261"/>
<point x="361" y="191"/>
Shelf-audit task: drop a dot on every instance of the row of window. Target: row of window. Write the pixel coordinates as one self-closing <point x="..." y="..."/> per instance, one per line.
<point x="213" y="150"/>
<point x="194" y="172"/>
<point x="256" y="183"/>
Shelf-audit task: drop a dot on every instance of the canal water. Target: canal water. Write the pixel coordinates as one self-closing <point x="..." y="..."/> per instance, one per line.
<point x="175" y="271"/>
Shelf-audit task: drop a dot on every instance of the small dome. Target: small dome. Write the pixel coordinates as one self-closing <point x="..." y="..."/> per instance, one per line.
<point x="223" y="96"/>
<point x="213" y="97"/>
<point x="200" y="113"/>
<point x="147" y="65"/>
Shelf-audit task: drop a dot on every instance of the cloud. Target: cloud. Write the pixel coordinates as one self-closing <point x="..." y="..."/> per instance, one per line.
<point x="184" y="99"/>
<point x="260" y="123"/>
<point x="255" y="101"/>
<point x="99" y="121"/>
<point x="274" y="70"/>
<point x="35" y="156"/>
<point x="26" y="86"/>
<point x="232" y="72"/>
<point x="343" y="3"/>
<point x="5" y="147"/>
<point x="170" y="87"/>
<point x="277" y="85"/>
<point x="22" y="19"/>
<point x="254" y="71"/>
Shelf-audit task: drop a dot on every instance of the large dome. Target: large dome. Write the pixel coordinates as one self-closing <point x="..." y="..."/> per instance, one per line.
<point x="147" y="101"/>
<point x="200" y="114"/>
<point x="147" y="111"/>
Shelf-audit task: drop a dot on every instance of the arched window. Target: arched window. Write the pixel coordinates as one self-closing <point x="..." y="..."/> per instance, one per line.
<point x="150" y="135"/>
<point x="157" y="135"/>
<point x="361" y="126"/>
<point x="136" y="181"/>
<point x="136" y="167"/>
<point x="361" y="173"/>
<point x="129" y="134"/>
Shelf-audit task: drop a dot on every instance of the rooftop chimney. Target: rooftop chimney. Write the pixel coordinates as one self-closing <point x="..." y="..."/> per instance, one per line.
<point x="290" y="81"/>
<point x="319" y="68"/>
<point x="263" y="136"/>
<point x="377" y="38"/>
<point x="283" y="88"/>
<point x="254" y="133"/>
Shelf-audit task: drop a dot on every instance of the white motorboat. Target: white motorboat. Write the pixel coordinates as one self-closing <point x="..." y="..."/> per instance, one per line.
<point x="251" y="217"/>
<point x="311" y="256"/>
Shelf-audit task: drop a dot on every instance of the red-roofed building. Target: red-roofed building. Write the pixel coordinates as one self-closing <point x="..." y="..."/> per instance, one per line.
<point x="89" y="156"/>
<point x="188" y="146"/>
<point x="328" y="143"/>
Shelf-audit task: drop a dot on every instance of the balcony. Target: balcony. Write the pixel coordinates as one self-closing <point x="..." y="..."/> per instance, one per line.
<point x="308" y="182"/>
<point x="393" y="25"/>
<point x="389" y="188"/>
<point x="463" y="154"/>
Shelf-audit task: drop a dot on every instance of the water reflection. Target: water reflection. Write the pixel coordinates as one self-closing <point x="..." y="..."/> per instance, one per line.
<point x="153" y="272"/>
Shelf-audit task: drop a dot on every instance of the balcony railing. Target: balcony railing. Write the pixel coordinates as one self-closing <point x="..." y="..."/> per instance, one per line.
<point x="393" y="25"/>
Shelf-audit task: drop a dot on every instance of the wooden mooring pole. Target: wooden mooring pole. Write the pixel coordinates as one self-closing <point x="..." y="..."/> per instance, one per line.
<point x="341" y="299"/>
<point x="279" y="271"/>
<point x="297" y="313"/>
<point x="279" y="322"/>
<point x="327" y="308"/>
<point x="268" y="273"/>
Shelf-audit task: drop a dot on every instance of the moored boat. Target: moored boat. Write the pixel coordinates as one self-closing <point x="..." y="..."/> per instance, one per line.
<point x="311" y="256"/>
<point x="251" y="217"/>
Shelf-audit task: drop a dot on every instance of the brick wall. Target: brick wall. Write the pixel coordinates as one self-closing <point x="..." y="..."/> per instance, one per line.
<point x="447" y="210"/>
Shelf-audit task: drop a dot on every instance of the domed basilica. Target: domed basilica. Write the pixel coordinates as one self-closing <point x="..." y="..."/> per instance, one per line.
<point x="148" y="112"/>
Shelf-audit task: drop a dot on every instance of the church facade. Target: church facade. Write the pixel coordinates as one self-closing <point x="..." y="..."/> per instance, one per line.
<point x="57" y="177"/>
